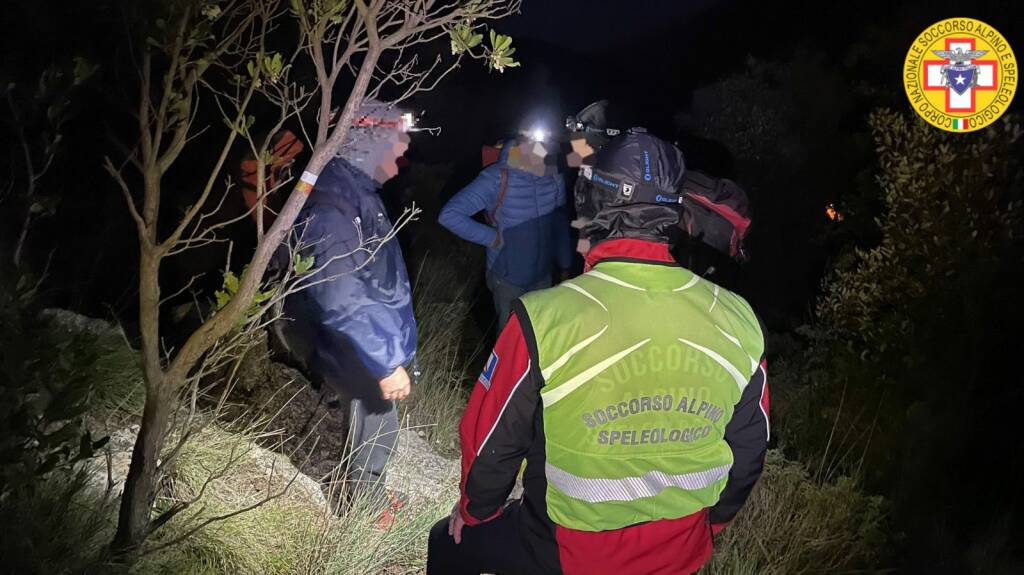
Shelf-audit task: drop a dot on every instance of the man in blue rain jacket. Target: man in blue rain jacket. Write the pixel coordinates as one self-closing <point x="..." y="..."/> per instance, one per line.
<point x="353" y="328"/>
<point x="527" y="229"/>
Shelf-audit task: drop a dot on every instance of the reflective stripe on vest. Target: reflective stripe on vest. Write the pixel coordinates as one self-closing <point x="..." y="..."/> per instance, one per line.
<point x="630" y="488"/>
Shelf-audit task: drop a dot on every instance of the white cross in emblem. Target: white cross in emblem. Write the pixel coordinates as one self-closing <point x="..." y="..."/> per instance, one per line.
<point x="986" y="77"/>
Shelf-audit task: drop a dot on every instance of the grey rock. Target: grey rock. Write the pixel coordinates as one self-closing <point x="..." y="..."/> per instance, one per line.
<point x="418" y="472"/>
<point x="267" y="469"/>
<point x="75" y="323"/>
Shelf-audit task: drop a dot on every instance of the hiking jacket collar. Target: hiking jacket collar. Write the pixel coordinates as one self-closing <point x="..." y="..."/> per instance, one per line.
<point x="630" y="250"/>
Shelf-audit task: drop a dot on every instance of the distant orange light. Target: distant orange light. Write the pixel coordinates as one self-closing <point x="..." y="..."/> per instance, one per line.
<point x="833" y="214"/>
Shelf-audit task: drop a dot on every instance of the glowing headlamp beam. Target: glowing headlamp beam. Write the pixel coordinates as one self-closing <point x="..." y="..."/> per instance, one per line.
<point x="408" y="122"/>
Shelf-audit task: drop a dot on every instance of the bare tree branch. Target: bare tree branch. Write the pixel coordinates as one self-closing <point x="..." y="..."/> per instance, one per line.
<point x="140" y="224"/>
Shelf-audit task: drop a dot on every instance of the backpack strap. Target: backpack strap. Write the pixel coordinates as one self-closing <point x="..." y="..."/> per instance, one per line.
<point x="492" y="216"/>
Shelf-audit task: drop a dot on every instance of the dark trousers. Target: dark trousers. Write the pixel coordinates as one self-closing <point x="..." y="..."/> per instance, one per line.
<point x="493" y="547"/>
<point x="373" y="435"/>
<point x="505" y="293"/>
<point x="330" y="360"/>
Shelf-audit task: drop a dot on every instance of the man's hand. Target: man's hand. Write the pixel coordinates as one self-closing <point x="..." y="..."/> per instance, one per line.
<point x="455" y="524"/>
<point x="395" y="386"/>
<point x="583" y="247"/>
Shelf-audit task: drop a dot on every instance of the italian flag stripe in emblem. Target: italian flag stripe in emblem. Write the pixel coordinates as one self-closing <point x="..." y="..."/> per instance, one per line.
<point x="959" y="123"/>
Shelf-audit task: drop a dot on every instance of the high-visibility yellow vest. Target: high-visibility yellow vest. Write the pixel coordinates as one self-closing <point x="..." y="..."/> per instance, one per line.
<point x="642" y="365"/>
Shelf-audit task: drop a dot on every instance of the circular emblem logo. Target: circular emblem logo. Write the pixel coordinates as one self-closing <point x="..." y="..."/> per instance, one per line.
<point x="960" y="74"/>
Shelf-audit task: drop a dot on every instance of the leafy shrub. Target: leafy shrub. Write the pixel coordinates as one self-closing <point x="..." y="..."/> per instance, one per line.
<point x="951" y="207"/>
<point x="60" y="373"/>
<point x="45" y="389"/>
<point x="793" y="524"/>
<point x="909" y="371"/>
<point x="60" y="528"/>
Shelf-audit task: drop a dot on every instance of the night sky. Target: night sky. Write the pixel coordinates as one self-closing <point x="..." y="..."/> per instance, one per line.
<point x="592" y="27"/>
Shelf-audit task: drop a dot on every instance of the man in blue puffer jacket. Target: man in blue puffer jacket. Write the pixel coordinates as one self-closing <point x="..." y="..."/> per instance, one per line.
<point x="355" y="332"/>
<point x="527" y="229"/>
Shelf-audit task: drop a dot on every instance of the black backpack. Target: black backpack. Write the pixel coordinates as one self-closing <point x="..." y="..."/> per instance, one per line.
<point x="716" y="212"/>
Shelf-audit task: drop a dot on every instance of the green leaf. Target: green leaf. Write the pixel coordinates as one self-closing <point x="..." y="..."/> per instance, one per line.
<point x="231" y="282"/>
<point x="211" y="11"/>
<point x="303" y="265"/>
<point x="500" y="42"/>
<point x="222" y="299"/>
<point x="463" y="38"/>
<point x="275" y="67"/>
<point x="263" y="295"/>
<point x="500" y="55"/>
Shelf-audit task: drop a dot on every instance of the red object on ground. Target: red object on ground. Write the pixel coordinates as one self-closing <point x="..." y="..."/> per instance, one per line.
<point x="387" y="518"/>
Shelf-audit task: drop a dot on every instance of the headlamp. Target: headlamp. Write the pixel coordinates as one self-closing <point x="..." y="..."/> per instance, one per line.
<point x="405" y="122"/>
<point x="574" y="125"/>
<point x="408" y="122"/>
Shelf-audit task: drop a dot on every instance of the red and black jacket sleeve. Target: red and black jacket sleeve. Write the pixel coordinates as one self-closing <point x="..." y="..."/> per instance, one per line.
<point x="498" y="427"/>
<point x="747" y="434"/>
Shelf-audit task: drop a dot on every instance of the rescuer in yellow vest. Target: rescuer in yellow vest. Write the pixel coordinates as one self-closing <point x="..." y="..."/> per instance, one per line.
<point x="636" y="394"/>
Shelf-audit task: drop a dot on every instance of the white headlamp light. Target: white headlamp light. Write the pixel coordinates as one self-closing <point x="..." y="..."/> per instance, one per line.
<point x="408" y="122"/>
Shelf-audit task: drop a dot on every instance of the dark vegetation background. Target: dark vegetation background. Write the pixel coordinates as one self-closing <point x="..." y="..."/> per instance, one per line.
<point x="904" y="375"/>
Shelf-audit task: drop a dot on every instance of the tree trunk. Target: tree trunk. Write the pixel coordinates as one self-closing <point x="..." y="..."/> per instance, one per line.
<point x="140" y="485"/>
<point x="141" y="482"/>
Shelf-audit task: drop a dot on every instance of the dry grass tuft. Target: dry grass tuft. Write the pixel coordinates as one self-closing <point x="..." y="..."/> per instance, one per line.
<point x="792" y="524"/>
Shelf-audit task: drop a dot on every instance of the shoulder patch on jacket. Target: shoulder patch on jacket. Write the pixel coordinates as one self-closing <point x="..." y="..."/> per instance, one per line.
<point x="488" y="373"/>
